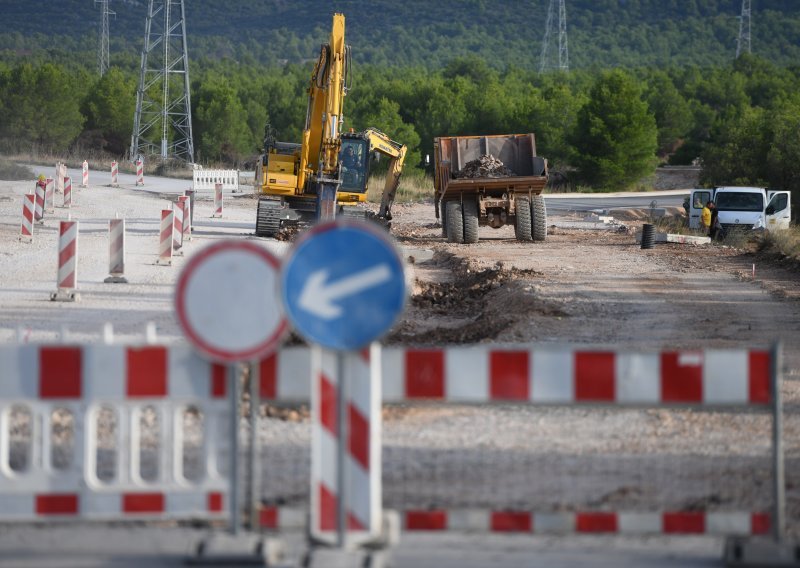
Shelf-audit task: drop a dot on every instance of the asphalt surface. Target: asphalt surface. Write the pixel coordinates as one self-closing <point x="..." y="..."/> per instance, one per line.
<point x="87" y="546"/>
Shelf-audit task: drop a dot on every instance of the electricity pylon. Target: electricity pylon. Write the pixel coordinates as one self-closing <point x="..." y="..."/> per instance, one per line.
<point x="743" y="42"/>
<point x="162" y="124"/>
<point x="563" y="51"/>
<point x="103" y="58"/>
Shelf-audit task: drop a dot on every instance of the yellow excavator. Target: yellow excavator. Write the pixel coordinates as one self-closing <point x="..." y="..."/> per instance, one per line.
<point x="326" y="173"/>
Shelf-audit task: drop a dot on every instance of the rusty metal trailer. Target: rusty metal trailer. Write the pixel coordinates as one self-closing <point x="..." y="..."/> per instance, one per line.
<point x="464" y="204"/>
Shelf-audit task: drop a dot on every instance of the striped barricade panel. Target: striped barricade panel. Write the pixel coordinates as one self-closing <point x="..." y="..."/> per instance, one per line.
<point x="41" y="384"/>
<point x="362" y="464"/>
<point x="544" y="375"/>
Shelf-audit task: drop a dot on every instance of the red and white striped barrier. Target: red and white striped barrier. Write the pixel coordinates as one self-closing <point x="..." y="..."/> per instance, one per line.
<point x="545" y="375"/>
<point x="114" y="174"/>
<point x="165" y="237"/>
<point x="67" y="276"/>
<point x="116" y="252"/>
<point x="28" y="207"/>
<point x="49" y="195"/>
<point x="177" y="239"/>
<point x="217" y="200"/>
<point x="85" y="174"/>
<point x="67" y="191"/>
<point x="61" y="173"/>
<point x="719" y="523"/>
<point x="595" y="522"/>
<point x="187" y="217"/>
<point x="90" y="380"/>
<point x="139" y="172"/>
<point x="38" y="213"/>
<point x="362" y="426"/>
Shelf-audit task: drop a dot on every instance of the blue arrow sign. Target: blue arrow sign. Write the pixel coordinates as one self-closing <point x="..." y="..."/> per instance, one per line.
<point x="343" y="284"/>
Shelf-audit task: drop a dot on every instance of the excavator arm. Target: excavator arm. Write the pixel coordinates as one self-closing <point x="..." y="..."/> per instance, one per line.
<point x="381" y="143"/>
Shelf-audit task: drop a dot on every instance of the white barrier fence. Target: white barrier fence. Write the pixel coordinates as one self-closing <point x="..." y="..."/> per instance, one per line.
<point x="207" y="179"/>
<point x="142" y="385"/>
<point x="107" y="433"/>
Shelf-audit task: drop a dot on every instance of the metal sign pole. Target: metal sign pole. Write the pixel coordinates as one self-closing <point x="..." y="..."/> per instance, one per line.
<point x="341" y="451"/>
<point x="255" y="409"/>
<point x="779" y="521"/>
<point x="234" y="469"/>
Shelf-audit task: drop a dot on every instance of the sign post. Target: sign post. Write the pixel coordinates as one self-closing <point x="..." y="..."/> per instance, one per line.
<point x="228" y="307"/>
<point x="343" y="286"/>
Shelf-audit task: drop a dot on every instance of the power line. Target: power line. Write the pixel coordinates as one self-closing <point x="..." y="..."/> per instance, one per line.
<point x="162" y="125"/>
<point x="743" y="42"/>
<point x="103" y="58"/>
<point x="563" y="50"/>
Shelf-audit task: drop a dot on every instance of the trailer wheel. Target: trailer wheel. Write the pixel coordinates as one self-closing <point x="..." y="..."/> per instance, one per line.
<point x="522" y="228"/>
<point x="470" y="210"/>
<point x="539" y="214"/>
<point x="443" y="214"/>
<point x="455" y="221"/>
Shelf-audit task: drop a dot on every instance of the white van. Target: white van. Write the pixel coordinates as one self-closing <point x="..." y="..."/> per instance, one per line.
<point x="743" y="207"/>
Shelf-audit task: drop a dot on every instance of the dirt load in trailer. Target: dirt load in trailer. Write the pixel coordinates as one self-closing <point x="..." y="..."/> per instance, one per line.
<point x="489" y="181"/>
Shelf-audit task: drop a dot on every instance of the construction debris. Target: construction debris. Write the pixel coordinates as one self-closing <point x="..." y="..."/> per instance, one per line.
<point x="487" y="166"/>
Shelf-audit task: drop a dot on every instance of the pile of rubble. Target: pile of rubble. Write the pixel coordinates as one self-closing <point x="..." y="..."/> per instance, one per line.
<point x="487" y="166"/>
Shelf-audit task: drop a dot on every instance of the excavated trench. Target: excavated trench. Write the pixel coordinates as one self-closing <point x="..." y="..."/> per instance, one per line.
<point x="468" y="305"/>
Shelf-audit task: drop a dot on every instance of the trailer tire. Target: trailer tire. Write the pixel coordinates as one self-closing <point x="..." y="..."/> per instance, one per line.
<point x="455" y="221"/>
<point x="522" y="227"/>
<point x="470" y="211"/>
<point x="539" y="214"/>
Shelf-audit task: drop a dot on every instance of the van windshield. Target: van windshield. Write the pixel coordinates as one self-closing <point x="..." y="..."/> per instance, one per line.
<point x="735" y="201"/>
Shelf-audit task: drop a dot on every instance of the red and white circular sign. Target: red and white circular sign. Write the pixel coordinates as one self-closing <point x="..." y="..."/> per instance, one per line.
<point x="228" y="302"/>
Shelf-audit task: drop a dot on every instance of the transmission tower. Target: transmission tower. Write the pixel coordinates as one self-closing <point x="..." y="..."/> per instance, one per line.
<point x="563" y="51"/>
<point x="162" y="124"/>
<point x="743" y="42"/>
<point x="102" y="48"/>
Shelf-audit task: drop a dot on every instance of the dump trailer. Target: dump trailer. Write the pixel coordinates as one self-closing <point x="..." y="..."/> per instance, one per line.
<point x="489" y="181"/>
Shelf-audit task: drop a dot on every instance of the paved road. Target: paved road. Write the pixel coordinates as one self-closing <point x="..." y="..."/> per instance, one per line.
<point x="68" y="546"/>
<point x="572" y="202"/>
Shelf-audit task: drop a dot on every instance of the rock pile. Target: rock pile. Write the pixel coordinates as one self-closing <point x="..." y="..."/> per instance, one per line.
<point x="487" y="166"/>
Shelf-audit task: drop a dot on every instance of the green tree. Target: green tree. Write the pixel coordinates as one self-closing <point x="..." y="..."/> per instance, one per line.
<point x="615" y="134"/>
<point x="783" y="155"/>
<point x="671" y="110"/>
<point x="41" y="108"/>
<point x="110" y="106"/>
<point x="220" y="124"/>
<point x="737" y="151"/>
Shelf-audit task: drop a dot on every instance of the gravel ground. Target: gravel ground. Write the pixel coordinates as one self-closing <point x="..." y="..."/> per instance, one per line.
<point x="579" y="287"/>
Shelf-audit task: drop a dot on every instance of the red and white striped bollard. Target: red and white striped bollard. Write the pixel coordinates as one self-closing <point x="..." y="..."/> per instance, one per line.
<point x="165" y="237"/>
<point x="67" y="191"/>
<point x="85" y="172"/>
<point x="49" y="195"/>
<point x="177" y="240"/>
<point x="38" y="212"/>
<point x="114" y="174"/>
<point x="187" y="217"/>
<point x="116" y="252"/>
<point x="359" y="442"/>
<point x="67" y="276"/>
<point x="28" y="207"/>
<point x="139" y="172"/>
<point x="217" y="200"/>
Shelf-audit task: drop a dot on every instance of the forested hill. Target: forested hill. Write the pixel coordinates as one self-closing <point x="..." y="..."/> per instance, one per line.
<point x="601" y="33"/>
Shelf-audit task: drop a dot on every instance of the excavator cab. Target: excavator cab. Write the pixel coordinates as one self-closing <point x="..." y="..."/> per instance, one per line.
<point x="354" y="160"/>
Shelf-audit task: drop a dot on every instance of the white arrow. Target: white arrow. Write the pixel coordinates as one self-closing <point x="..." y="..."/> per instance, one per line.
<point x="318" y="296"/>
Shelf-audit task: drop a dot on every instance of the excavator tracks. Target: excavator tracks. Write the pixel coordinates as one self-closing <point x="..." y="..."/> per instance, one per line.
<point x="268" y="220"/>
